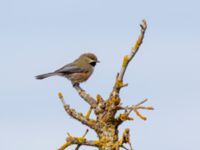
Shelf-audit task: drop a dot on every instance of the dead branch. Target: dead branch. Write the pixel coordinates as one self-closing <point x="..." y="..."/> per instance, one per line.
<point x="138" y="106"/>
<point x="78" y="116"/>
<point x="119" y="80"/>
<point x="125" y="139"/>
<point x="84" y="135"/>
<point x="90" y="100"/>
<point x="127" y="111"/>
<point x="79" y="141"/>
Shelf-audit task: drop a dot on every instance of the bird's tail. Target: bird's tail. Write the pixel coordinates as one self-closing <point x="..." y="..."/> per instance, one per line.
<point x="43" y="76"/>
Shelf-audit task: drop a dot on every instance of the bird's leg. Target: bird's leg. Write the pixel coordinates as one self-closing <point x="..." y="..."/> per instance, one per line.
<point x="77" y="87"/>
<point x="75" y="84"/>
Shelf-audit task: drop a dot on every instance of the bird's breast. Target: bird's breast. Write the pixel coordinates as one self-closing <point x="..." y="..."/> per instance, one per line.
<point x="79" y="77"/>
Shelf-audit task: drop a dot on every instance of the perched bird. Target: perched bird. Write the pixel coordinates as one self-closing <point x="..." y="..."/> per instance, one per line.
<point x="78" y="71"/>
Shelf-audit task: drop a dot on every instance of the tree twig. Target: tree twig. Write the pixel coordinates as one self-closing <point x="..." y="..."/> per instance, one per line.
<point x="119" y="80"/>
<point x="79" y="145"/>
<point x="90" y="100"/>
<point x="78" y="116"/>
<point x="79" y="141"/>
<point x="134" y="50"/>
<point x="125" y="139"/>
<point x="127" y="110"/>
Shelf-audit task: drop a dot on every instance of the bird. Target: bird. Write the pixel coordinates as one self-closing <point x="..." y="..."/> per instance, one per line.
<point x="78" y="71"/>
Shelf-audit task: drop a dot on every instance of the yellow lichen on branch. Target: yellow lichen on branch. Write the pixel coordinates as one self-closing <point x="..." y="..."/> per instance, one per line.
<point x="60" y="95"/>
<point x="64" y="146"/>
<point x="125" y="61"/>
<point x="138" y="43"/>
<point x="88" y="113"/>
<point x="134" y="108"/>
<point x="79" y="141"/>
<point x="119" y="83"/>
<point x="99" y="98"/>
<point x="140" y="38"/>
<point x="125" y="139"/>
<point x="128" y="58"/>
<point x="125" y="117"/>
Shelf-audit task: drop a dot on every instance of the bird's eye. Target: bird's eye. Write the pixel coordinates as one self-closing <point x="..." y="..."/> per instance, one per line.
<point x="93" y="63"/>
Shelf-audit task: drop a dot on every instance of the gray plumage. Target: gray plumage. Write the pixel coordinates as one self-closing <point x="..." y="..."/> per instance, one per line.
<point x="77" y="71"/>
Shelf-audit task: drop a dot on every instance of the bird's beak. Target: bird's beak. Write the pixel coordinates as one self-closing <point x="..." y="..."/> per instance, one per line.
<point x="98" y="61"/>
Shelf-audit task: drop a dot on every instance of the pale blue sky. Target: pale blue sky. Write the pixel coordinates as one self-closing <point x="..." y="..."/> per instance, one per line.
<point x="40" y="36"/>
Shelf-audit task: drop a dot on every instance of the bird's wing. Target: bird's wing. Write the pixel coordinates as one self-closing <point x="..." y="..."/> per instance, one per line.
<point x="70" y="68"/>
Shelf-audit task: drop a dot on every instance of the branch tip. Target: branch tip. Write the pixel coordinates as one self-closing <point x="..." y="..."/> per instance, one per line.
<point x="142" y="102"/>
<point x="128" y="58"/>
<point x="60" y="95"/>
<point x="88" y="113"/>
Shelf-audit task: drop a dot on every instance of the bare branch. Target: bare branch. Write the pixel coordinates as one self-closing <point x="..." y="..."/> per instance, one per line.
<point x="134" y="50"/>
<point x="78" y="116"/>
<point x="88" y="113"/>
<point x="65" y="145"/>
<point x="138" y="106"/>
<point x="127" y="110"/>
<point x="90" y="100"/>
<point x="84" y="135"/>
<point x="79" y="141"/>
<point x="123" y="117"/>
<point x="119" y="80"/>
<point x="125" y="139"/>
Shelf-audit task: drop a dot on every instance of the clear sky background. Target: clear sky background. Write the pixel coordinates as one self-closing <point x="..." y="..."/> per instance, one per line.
<point x="42" y="35"/>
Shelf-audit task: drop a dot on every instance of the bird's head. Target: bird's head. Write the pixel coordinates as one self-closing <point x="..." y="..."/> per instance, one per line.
<point x="90" y="58"/>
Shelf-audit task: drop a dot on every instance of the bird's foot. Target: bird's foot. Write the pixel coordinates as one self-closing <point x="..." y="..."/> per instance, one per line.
<point x="75" y="85"/>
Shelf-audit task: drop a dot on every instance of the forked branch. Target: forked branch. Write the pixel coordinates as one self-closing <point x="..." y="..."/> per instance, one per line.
<point x="79" y="141"/>
<point x="78" y="116"/>
<point x="127" y="111"/>
<point x="125" y="139"/>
